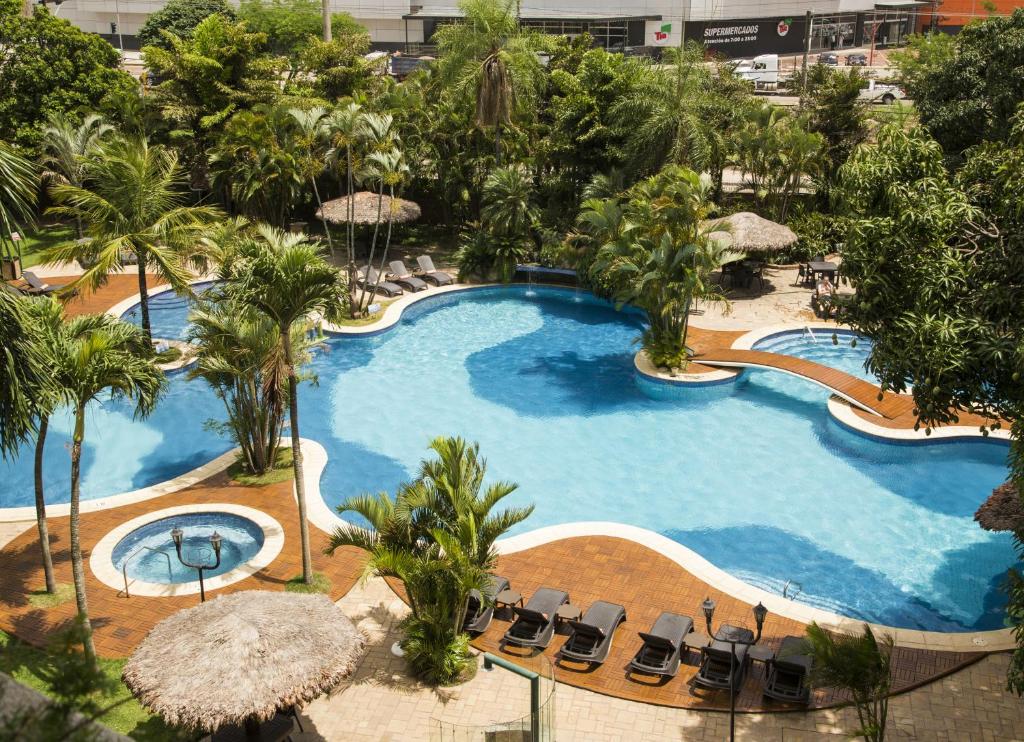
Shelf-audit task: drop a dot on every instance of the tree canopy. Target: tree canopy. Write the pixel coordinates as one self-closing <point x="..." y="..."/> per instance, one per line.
<point x="180" y="17"/>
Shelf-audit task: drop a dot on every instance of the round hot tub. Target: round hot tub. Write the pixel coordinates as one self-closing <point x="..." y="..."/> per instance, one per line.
<point x="140" y="556"/>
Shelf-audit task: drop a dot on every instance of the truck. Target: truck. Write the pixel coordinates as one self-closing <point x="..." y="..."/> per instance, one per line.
<point x="762" y="71"/>
<point x="877" y="92"/>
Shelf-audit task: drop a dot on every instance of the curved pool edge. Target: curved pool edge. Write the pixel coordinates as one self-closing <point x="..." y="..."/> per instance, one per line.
<point x="320" y="514"/>
<point x="102" y="564"/>
<point x="843" y="414"/>
<point x="643" y="366"/>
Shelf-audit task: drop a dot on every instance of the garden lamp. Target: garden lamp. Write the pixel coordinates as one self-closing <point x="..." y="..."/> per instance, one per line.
<point x="760" y="614"/>
<point x="708" y="606"/>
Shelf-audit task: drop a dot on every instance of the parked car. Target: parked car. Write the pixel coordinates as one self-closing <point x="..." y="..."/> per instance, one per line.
<point x="877" y="92"/>
<point x="856" y="60"/>
<point x="828" y="58"/>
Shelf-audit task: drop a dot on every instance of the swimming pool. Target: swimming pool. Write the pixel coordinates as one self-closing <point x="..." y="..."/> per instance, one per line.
<point x="757" y="477"/>
<point x="841" y="349"/>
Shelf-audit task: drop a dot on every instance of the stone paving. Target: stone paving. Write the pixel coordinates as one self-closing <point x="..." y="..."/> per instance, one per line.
<point x="381" y="703"/>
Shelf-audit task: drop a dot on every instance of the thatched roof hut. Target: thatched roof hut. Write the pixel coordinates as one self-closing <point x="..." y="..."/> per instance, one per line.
<point x="242" y="658"/>
<point x="752" y="233"/>
<point x="364" y="209"/>
<point x="1002" y="511"/>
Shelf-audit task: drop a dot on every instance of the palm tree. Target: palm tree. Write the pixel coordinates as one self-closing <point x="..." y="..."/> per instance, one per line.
<point x="98" y="355"/>
<point x="385" y="170"/>
<point x="861" y="666"/>
<point x="490" y="58"/>
<point x="347" y="130"/>
<point x="65" y="148"/>
<point x="18" y="183"/>
<point x="133" y="204"/>
<point x="508" y="206"/>
<point x="312" y="145"/>
<point x="24" y="372"/>
<point x="286" y="278"/>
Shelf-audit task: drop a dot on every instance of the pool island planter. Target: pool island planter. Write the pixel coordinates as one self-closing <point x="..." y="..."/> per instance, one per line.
<point x="102" y="564"/>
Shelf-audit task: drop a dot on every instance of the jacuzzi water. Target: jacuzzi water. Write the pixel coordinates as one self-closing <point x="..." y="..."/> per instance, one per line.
<point x="150" y="548"/>
<point x="755" y="475"/>
<point x="841" y="349"/>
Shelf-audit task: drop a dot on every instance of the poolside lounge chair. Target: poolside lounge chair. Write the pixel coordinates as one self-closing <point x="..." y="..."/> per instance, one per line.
<point x="786" y="674"/>
<point x="481" y="611"/>
<point x="368" y="277"/>
<point x="592" y="635"/>
<point x="661" y="653"/>
<point x="430" y="274"/>
<point x="535" y="624"/>
<point x="37" y="286"/>
<point x="717" y="662"/>
<point x="401" y="275"/>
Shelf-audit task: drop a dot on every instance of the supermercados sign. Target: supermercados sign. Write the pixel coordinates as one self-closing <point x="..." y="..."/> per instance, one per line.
<point x="747" y="37"/>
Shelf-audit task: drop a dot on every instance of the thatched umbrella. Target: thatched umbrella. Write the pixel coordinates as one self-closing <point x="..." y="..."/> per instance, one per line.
<point x="364" y="209"/>
<point x="241" y="658"/>
<point x="752" y="233"/>
<point x="1002" y="511"/>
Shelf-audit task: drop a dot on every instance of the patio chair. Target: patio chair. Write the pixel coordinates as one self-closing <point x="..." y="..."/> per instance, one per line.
<point x="368" y="278"/>
<point x="592" y="635"/>
<point x="430" y="274"/>
<point x="481" y="608"/>
<point x="38" y="287"/>
<point x="535" y="624"/>
<point x="718" y="663"/>
<point x="662" y="651"/>
<point x="401" y="275"/>
<point x="786" y="674"/>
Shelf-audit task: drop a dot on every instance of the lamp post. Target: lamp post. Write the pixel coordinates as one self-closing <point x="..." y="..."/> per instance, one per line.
<point x="177" y="535"/>
<point x="760" y="613"/>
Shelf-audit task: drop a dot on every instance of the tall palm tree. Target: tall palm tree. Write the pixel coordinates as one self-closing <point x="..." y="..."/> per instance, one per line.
<point x="285" y="277"/>
<point x="19" y="182"/>
<point x="385" y="170"/>
<point x="133" y="203"/>
<point x="24" y="372"/>
<point x="346" y="131"/>
<point x="489" y="58"/>
<point x="97" y="355"/>
<point x="312" y="145"/>
<point x="65" y="148"/>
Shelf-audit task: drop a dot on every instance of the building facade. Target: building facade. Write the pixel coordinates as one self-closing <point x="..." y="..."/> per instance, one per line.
<point x="738" y="28"/>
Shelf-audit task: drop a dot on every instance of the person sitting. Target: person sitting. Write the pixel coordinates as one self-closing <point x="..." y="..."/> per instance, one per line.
<point x="824" y="297"/>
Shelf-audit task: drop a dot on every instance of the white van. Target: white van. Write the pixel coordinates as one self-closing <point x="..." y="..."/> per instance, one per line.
<point x="762" y="71"/>
<point x="877" y="92"/>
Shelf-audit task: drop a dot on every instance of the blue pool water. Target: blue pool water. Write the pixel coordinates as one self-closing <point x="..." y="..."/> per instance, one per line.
<point x="839" y="349"/>
<point x="242" y="539"/>
<point x="753" y="475"/>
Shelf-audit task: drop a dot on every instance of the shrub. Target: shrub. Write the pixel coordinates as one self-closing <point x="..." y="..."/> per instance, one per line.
<point x="819" y="234"/>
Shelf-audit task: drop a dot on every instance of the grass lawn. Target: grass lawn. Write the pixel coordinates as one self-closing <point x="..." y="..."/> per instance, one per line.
<point x="282" y="471"/>
<point x="36" y="241"/>
<point x="28" y="665"/>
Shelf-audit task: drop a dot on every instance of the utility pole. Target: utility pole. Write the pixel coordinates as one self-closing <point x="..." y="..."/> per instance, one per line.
<point x="325" y="13"/>
<point x="808" y="24"/>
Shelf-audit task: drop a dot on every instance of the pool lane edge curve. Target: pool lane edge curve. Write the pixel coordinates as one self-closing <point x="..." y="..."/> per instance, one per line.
<point x="102" y="564"/>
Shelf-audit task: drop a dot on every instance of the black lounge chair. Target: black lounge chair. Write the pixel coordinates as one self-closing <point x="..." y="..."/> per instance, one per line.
<point x="662" y="651"/>
<point x="38" y="287"/>
<point x="368" y="278"/>
<point x="481" y="610"/>
<point x="430" y="274"/>
<point x="717" y="661"/>
<point x="535" y="624"/>
<point x="786" y="676"/>
<point x="401" y="275"/>
<point x="592" y="635"/>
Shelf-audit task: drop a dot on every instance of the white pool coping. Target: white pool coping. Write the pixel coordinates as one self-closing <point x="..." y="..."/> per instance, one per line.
<point x="642" y="364"/>
<point x="315" y="459"/>
<point x="102" y="563"/>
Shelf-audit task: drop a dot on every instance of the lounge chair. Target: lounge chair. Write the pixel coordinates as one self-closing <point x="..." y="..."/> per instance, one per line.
<point x="401" y="275"/>
<point x="717" y="662"/>
<point x="662" y="651"/>
<point x="535" y="624"/>
<point x="787" y="673"/>
<point x="592" y="635"/>
<point x="431" y="274"/>
<point x="368" y="277"/>
<point x="38" y="287"/>
<point x="481" y="610"/>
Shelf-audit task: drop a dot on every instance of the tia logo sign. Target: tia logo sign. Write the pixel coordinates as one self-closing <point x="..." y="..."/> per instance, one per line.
<point x="661" y="35"/>
<point x="783" y="27"/>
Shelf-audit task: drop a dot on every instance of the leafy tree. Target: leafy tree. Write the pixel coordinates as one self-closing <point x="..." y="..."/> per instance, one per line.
<point x="861" y="666"/>
<point x="966" y="88"/>
<point x="488" y="57"/>
<point x="19" y="183"/>
<point x="133" y="204"/>
<point x="291" y="25"/>
<point x="654" y="255"/>
<point x="50" y="68"/>
<point x="285" y="278"/>
<point x="509" y="218"/>
<point x="346" y="131"/>
<point x="99" y="356"/>
<point x="339" y="69"/>
<point x="832" y="105"/>
<point x="23" y="371"/>
<point x="180" y="17"/>
<point x="66" y="147"/>
<point x="437" y="536"/>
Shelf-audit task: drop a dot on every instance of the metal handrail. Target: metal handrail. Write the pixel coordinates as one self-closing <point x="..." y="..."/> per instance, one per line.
<point x="124" y="565"/>
<point x="785" y="589"/>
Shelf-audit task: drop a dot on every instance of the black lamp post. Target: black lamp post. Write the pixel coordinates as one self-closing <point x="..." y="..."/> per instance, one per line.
<point x="177" y="536"/>
<point x="760" y="613"/>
